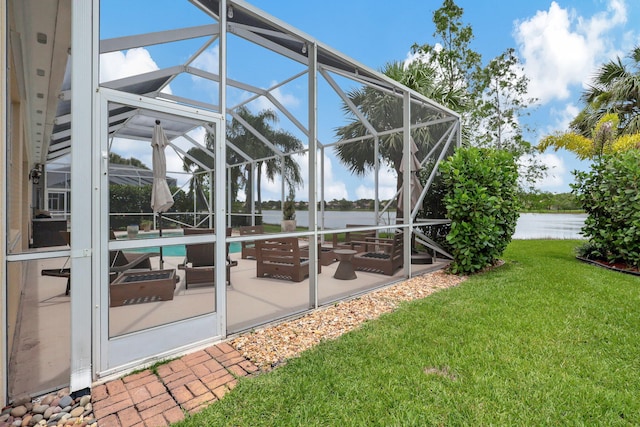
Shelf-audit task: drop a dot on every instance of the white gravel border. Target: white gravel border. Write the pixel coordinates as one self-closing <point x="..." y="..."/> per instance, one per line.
<point x="272" y="346"/>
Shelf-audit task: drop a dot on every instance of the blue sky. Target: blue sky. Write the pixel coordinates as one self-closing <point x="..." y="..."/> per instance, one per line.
<point x="560" y="44"/>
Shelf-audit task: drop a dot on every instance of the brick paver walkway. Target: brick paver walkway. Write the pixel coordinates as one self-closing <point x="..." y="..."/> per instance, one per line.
<point x="184" y="385"/>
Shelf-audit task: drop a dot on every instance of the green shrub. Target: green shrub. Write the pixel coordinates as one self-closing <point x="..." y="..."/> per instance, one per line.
<point x="610" y="195"/>
<point x="127" y="199"/>
<point x="482" y="203"/>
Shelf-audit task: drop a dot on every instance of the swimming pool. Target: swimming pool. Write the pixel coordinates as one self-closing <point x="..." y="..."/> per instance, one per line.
<point x="175" y="250"/>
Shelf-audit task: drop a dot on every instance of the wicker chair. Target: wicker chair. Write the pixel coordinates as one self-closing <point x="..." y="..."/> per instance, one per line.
<point x="198" y="264"/>
<point x="353" y="236"/>
<point x="282" y="258"/>
<point x="249" y="247"/>
<point x="380" y="255"/>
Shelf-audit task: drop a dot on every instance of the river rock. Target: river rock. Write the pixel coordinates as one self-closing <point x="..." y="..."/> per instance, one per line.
<point x="65" y="401"/>
<point x="47" y="399"/>
<point x="39" y="409"/>
<point x="26" y="420"/>
<point x="85" y="399"/>
<point x="47" y="414"/>
<point x="17" y="423"/>
<point x="88" y="407"/>
<point x="18" y="411"/>
<point x="77" y="411"/>
<point x="5" y="416"/>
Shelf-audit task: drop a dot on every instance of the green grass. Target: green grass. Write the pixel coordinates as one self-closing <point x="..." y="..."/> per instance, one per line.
<point x="542" y="340"/>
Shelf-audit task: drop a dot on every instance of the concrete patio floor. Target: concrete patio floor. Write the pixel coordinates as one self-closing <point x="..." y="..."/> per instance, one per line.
<point x="40" y="359"/>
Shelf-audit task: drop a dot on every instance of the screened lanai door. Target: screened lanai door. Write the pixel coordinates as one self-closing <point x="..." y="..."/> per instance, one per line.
<point x="147" y="309"/>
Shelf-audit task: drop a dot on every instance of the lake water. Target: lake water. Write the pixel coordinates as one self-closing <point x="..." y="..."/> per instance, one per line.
<point x="529" y="226"/>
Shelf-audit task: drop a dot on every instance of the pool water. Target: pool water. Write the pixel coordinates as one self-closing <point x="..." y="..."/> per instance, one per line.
<point x="179" y="250"/>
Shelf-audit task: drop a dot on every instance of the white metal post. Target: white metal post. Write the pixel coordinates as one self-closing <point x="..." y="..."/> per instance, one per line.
<point x="406" y="179"/>
<point x="313" y="174"/>
<point x="84" y="57"/>
<point x="220" y="181"/>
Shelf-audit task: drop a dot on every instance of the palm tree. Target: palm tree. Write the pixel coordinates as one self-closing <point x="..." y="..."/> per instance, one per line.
<point x="385" y="112"/>
<point x="199" y="183"/>
<point x="615" y="89"/>
<point x="250" y="144"/>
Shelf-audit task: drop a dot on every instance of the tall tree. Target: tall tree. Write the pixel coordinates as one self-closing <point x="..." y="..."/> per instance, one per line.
<point x="502" y="100"/>
<point x="117" y="159"/>
<point x="384" y="112"/>
<point x="495" y="96"/>
<point x="250" y="143"/>
<point x="615" y="88"/>
<point x="451" y="57"/>
<point x="198" y="162"/>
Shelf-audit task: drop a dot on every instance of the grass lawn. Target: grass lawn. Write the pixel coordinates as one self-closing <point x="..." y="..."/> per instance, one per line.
<point x="542" y="340"/>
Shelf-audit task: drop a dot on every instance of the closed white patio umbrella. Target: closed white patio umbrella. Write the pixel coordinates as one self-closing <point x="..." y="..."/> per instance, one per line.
<point x="161" y="198"/>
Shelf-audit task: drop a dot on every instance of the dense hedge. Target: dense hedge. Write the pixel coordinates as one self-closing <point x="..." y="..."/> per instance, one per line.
<point x="610" y="195"/>
<point x="135" y="199"/>
<point x="482" y="202"/>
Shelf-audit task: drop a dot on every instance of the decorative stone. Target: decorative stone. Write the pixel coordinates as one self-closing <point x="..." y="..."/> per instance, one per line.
<point x="35" y="419"/>
<point x="85" y="399"/>
<point x="18" y="411"/>
<point x="55" y="401"/>
<point x="77" y="411"/>
<point x="47" y="414"/>
<point x="4" y="417"/>
<point x="65" y="401"/>
<point x="88" y="407"/>
<point x="26" y="420"/>
<point x="17" y="423"/>
<point x="39" y="409"/>
<point x="47" y="399"/>
<point x="63" y="392"/>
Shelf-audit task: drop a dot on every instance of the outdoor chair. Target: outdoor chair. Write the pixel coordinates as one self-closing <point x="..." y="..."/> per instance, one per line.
<point x="198" y="264"/>
<point x="249" y="247"/>
<point x="119" y="262"/>
<point x="282" y="258"/>
<point x="353" y="236"/>
<point x="381" y="255"/>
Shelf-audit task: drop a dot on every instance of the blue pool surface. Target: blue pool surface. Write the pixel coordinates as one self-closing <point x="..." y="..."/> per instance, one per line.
<point x="176" y="250"/>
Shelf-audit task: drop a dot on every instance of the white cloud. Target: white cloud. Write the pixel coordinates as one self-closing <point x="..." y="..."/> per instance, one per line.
<point x="118" y="65"/>
<point x="208" y="60"/>
<point x="562" y="118"/>
<point x="386" y="186"/>
<point x="333" y="189"/>
<point x="561" y="49"/>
